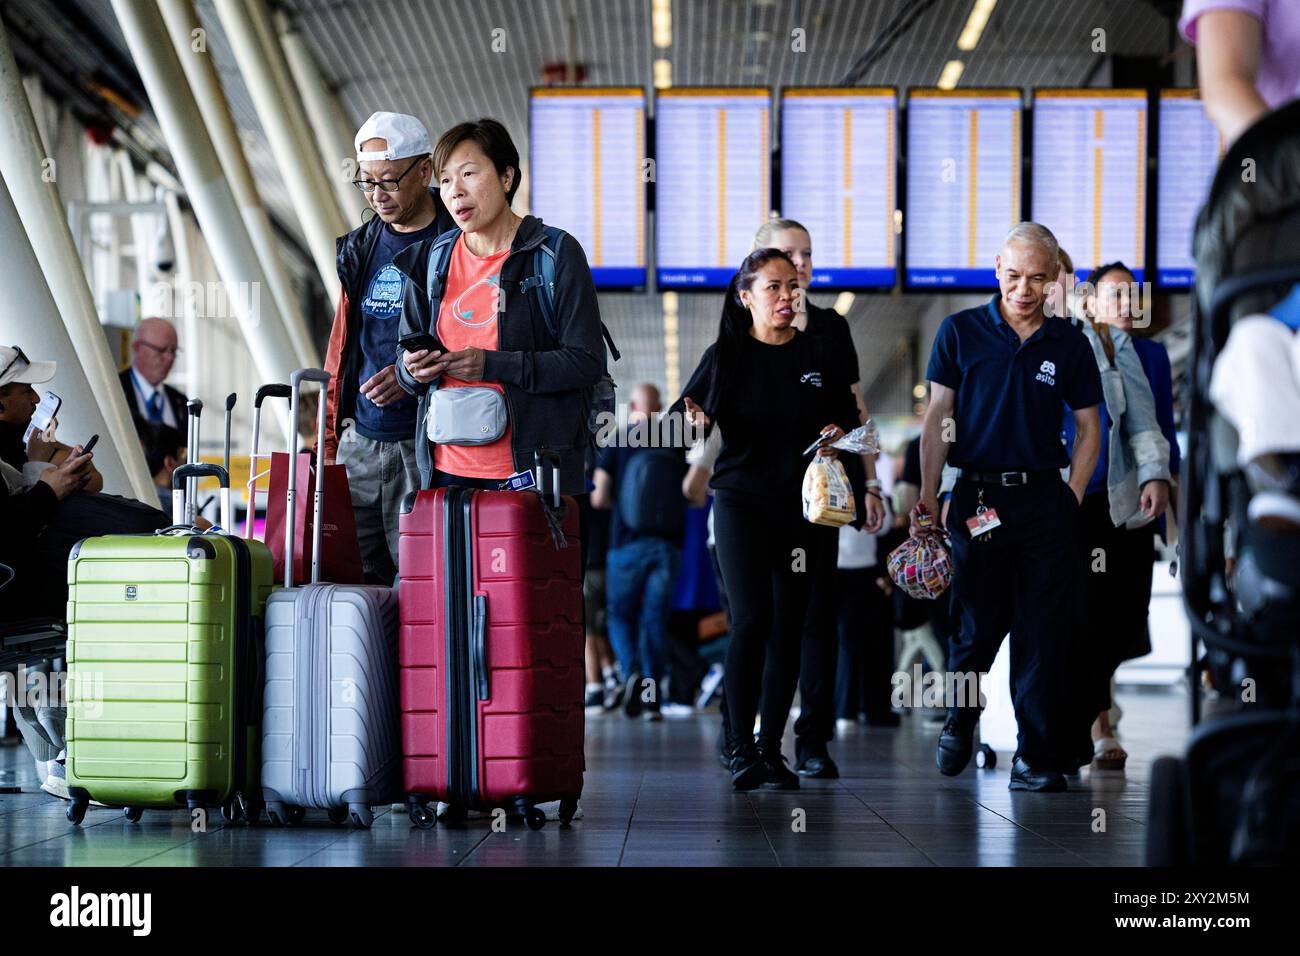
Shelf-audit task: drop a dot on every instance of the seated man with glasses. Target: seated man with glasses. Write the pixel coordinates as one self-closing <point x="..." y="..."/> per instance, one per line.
<point x="26" y="460"/>
<point x="370" y="421"/>
<point x="153" y="355"/>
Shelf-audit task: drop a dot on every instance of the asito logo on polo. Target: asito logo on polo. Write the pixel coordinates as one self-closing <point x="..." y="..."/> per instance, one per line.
<point x="1046" y="373"/>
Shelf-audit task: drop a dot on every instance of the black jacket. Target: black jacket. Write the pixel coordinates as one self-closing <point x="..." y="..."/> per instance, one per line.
<point x="546" y="382"/>
<point x="175" y="398"/>
<point x="343" y="356"/>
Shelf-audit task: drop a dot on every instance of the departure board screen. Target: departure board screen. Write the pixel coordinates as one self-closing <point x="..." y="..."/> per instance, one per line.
<point x="587" y="154"/>
<point x="963" y="184"/>
<point x="838" y="163"/>
<point x="712" y="182"/>
<point x="1090" y="174"/>
<point x="1188" y="154"/>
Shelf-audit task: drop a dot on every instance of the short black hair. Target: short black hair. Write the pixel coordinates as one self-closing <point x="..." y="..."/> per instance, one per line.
<point x="160" y="441"/>
<point x="492" y="138"/>
<point x="1095" y="275"/>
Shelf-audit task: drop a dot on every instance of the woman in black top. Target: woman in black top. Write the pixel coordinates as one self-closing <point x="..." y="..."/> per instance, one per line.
<point x="771" y="389"/>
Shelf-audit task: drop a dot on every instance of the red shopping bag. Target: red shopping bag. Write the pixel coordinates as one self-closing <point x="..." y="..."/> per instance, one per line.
<point x="340" y="560"/>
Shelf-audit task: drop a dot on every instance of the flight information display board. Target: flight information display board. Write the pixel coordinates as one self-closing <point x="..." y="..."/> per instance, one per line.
<point x="838" y="170"/>
<point x="1188" y="153"/>
<point x="587" y="154"/>
<point x="963" y="184"/>
<point x="1090" y="174"/>
<point x="712" y="182"/>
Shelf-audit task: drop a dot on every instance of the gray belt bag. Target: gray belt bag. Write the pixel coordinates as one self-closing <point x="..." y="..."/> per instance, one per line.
<point x="466" y="416"/>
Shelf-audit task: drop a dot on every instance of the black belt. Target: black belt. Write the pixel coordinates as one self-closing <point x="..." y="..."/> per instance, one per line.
<point x="1009" y="479"/>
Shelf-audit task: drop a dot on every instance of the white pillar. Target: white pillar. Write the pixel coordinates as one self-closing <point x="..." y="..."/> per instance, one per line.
<point x="181" y="19"/>
<point x="31" y="187"/>
<point x="40" y="332"/>
<point x="206" y="189"/>
<point x="261" y="63"/>
<point x="336" y="149"/>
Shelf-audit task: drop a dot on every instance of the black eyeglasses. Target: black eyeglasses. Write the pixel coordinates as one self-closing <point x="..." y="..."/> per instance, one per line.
<point x="20" y="356"/>
<point x="172" y="350"/>
<point x="368" y="186"/>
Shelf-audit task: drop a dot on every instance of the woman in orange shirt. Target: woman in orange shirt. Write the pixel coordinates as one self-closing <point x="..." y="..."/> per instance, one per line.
<point x="492" y="329"/>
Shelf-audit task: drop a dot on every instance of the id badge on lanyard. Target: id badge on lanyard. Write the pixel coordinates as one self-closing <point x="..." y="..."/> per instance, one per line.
<point x="985" y="520"/>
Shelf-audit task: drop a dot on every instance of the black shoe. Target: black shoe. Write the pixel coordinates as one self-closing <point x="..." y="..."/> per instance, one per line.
<point x="1025" y="777"/>
<point x="885" y="718"/>
<point x="818" y="767"/>
<point x="632" y="695"/>
<point x="613" y="694"/>
<point x="748" y="771"/>
<point x="595" y="697"/>
<point x="777" y="775"/>
<point x="650" y="710"/>
<point x="955" y="746"/>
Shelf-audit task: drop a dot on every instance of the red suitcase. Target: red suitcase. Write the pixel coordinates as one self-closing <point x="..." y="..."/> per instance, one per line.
<point x="491" y="652"/>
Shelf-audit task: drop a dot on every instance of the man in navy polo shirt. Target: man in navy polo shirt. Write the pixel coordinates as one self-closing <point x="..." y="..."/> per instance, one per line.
<point x="999" y="375"/>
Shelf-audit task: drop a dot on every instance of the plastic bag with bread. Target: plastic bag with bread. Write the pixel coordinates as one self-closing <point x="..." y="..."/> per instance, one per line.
<point x="827" y="494"/>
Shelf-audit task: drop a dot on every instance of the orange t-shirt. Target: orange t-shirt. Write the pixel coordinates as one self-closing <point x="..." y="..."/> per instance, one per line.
<point x="467" y="318"/>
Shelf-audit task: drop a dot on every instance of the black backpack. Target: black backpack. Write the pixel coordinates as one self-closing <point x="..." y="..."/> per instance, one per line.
<point x="650" y="499"/>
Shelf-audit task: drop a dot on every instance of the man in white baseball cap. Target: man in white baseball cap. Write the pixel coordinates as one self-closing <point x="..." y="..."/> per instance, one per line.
<point x="370" y="420"/>
<point x="29" y="458"/>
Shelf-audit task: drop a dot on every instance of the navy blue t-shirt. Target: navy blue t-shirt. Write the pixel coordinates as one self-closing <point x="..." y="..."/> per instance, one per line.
<point x="1009" y="393"/>
<point x="382" y="286"/>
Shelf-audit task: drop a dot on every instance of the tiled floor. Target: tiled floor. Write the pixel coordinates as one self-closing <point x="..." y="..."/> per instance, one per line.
<point x="655" y="796"/>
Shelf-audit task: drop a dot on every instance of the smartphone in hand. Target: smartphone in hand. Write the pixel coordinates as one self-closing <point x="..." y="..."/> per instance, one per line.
<point x="90" y="445"/>
<point x="421" y="341"/>
<point x="43" y="417"/>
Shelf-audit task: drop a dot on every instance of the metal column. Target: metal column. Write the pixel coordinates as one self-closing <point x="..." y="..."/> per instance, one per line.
<point x="207" y="189"/>
<point x="70" y="331"/>
<point x="261" y="63"/>
<point x="181" y="18"/>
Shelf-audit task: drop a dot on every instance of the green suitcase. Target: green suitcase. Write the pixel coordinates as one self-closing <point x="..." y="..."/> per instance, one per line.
<point x="165" y="668"/>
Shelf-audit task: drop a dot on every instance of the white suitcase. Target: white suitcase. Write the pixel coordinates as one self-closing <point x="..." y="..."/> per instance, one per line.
<point x="331" y="732"/>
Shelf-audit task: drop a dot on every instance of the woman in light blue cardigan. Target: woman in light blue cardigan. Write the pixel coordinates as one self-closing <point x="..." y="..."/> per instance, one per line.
<point x="1127" y="493"/>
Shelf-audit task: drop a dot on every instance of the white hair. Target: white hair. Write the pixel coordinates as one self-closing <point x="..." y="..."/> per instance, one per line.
<point x="1035" y="234"/>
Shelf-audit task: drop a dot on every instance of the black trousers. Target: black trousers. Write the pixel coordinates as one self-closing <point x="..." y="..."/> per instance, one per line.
<point x="864" y="674"/>
<point x="766" y="551"/>
<point x="1114" y="573"/>
<point x="819" y="650"/>
<point x="1017" y="578"/>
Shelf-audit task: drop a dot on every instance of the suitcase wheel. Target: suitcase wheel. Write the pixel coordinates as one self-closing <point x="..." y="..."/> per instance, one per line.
<point x="297" y="814"/>
<point x="568" y="808"/>
<point x="535" y="817"/>
<point x="338" y="814"/>
<point x="986" y="758"/>
<point x="231" y="811"/>
<point x="360" y="815"/>
<point x="77" y="810"/>
<point x="252" y="810"/>
<point x="423" y="816"/>
<point x="275" y="812"/>
<point x="132" y="814"/>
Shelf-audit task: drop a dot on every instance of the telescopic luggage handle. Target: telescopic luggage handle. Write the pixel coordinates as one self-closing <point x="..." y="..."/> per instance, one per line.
<point x="295" y="386"/>
<point x="191" y="499"/>
<point x="546" y="455"/>
<point x="186" y="473"/>
<point x="271" y="390"/>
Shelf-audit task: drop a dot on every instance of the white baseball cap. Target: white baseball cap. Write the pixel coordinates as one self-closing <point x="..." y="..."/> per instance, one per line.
<point x="15" y="366"/>
<point x="405" y="135"/>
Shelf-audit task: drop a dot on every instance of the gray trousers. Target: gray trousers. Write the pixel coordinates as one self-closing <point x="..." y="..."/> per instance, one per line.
<point x="380" y="475"/>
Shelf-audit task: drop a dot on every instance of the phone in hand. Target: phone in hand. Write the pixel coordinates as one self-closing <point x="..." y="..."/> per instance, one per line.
<point x="421" y="341"/>
<point x="90" y="445"/>
<point x="43" y="417"/>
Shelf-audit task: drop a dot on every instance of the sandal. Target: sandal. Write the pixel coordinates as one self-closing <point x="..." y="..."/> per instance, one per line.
<point x="1107" y="754"/>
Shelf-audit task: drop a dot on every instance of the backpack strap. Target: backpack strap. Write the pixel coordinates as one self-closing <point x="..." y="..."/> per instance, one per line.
<point x="439" y="263"/>
<point x="543" y="279"/>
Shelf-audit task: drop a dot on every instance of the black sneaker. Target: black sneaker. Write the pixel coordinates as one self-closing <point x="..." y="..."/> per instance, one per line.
<point x="748" y="770"/>
<point x="595" y="696"/>
<point x="632" y="695"/>
<point x="955" y="745"/>
<point x="778" y="776"/>
<point x="817" y="764"/>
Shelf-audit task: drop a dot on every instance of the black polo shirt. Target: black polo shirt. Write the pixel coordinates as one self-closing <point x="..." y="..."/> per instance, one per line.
<point x="1010" y="394"/>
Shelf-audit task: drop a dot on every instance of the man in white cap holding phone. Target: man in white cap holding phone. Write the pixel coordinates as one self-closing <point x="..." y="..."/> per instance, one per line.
<point x="370" y="420"/>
